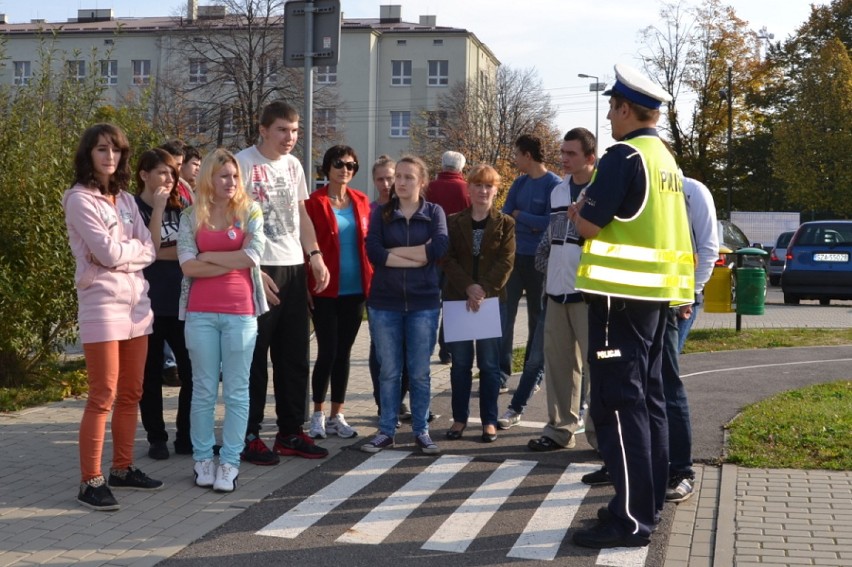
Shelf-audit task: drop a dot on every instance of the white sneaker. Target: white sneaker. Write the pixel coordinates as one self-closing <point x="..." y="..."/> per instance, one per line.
<point x="317" y="429"/>
<point x="204" y="473"/>
<point x="508" y="419"/>
<point x="226" y="478"/>
<point x="337" y="424"/>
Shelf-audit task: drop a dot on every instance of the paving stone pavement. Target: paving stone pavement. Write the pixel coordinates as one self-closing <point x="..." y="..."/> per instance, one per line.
<point x="738" y="516"/>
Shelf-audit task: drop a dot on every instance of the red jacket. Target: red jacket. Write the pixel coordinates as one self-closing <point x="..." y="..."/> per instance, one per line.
<point x="325" y="225"/>
<point x="449" y="191"/>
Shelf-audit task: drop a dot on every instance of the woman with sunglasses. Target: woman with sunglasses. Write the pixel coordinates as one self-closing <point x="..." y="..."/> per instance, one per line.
<point x="341" y="216"/>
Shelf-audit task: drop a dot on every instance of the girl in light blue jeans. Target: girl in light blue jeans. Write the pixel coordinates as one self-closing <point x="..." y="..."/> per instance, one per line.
<point x="220" y="244"/>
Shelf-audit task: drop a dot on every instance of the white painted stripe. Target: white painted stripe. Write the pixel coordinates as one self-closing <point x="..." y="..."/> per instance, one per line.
<point x="623" y="557"/>
<point x="459" y="530"/>
<point x="387" y="516"/>
<point x="312" y="509"/>
<point x="522" y="423"/>
<point x="772" y="365"/>
<point x="545" y="531"/>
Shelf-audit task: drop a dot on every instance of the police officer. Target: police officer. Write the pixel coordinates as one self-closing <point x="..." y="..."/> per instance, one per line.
<point x="636" y="262"/>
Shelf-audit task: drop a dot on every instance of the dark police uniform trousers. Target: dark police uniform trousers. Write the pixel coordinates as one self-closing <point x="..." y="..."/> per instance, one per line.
<point x="628" y="405"/>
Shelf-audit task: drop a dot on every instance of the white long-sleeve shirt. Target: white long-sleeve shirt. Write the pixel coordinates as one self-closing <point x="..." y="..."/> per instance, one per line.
<point x="701" y="211"/>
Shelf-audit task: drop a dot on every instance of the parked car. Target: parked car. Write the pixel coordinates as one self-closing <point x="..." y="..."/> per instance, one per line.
<point x="734" y="239"/>
<point x="778" y="257"/>
<point x="819" y="262"/>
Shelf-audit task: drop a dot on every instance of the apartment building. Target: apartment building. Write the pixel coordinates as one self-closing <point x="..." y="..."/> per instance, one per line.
<point x="390" y="73"/>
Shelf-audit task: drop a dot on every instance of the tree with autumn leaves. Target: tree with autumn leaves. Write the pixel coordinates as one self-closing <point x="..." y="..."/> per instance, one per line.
<point x="790" y="103"/>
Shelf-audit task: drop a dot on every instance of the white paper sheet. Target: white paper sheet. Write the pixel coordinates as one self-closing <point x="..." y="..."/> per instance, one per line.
<point x="463" y="325"/>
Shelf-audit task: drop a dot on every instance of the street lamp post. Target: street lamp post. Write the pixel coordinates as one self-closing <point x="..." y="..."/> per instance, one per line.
<point x="728" y="94"/>
<point x="595" y="87"/>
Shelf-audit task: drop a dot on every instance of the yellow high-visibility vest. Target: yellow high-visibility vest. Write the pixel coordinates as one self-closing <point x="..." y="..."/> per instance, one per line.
<point x="648" y="256"/>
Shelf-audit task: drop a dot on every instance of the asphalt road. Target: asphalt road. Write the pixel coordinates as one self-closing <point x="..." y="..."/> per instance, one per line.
<point x="719" y="385"/>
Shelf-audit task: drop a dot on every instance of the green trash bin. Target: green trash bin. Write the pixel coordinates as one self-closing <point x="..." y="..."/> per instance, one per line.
<point x="751" y="291"/>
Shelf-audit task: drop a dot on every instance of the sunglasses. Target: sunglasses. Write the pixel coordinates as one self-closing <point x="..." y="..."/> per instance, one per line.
<point x="350" y="165"/>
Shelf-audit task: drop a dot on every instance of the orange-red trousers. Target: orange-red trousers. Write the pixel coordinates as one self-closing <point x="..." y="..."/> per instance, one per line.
<point x="115" y="370"/>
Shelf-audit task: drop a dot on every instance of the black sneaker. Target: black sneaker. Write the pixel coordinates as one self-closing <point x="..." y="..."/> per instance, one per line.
<point x="134" y="479"/>
<point x="297" y="446"/>
<point x="680" y="489"/>
<point x="183" y="447"/>
<point x="599" y="477"/>
<point x="257" y="453"/>
<point x="543" y="444"/>
<point x="158" y="451"/>
<point x="606" y="535"/>
<point x="170" y="377"/>
<point x="96" y="495"/>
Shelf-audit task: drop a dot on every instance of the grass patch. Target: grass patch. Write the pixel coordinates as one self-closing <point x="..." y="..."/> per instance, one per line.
<point x="810" y="428"/>
<point x="714" y="340"/>
<point x="54" y="383"/>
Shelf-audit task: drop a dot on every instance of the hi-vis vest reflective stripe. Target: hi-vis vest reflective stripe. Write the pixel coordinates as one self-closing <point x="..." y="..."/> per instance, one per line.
<point x="649" y="256"/>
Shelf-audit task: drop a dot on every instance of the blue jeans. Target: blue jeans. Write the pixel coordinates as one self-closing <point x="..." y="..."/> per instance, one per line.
<point x="677" y="405"/>
<point x="685" y="325"/>
<point x="533" y="367"/>
<point x="461" y="377"/>
<point x="418" y="329"/>
<point x="524" y="279"/>
<point x="218" y="341"/>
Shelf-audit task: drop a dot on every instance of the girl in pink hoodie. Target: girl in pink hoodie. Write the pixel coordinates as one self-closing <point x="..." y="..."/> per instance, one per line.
<point x="111" y="245"/>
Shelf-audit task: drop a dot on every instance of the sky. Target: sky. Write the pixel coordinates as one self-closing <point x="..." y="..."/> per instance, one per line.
<point x="560" y="38"/>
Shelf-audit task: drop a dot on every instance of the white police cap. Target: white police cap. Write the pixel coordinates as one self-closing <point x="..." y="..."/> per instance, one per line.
<point x="636" y="87"/>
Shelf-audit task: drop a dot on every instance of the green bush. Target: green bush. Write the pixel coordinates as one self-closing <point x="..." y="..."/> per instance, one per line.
<point x="42" y="123"/>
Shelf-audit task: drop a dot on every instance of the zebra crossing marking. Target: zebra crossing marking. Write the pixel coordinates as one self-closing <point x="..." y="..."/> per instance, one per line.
<point x="623" y="557"/>
<point x="540" y="540"/>
<point x="545" y="531"/>
<point x="313" y="508"/>
<point x="461" y="528"/>
<point x="387" y="516"/>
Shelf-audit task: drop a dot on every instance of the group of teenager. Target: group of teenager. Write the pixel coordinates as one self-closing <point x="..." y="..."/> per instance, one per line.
<point x="229" y="271"/>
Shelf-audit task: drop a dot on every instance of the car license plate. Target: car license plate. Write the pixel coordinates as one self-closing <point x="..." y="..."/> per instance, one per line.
<point x="828" y="257"/>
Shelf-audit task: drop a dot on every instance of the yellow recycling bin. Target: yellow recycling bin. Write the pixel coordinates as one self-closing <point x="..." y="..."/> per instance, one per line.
<point x="717" y="291"/>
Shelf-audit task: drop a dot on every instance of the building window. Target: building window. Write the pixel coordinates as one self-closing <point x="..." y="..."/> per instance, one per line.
<point x="141" y="71"/>
<point x="23" y="72"/>
<point x="197" y="124"/>
<point x="229" y="121"/>
<point x="230" y="70"/>
<point x="434" y="124"/>
<point x="197" y="71"/>
<point x="401" y="72"/>
<point x="439" y="75"/>
<point x="401" y="42"/>
<point x="437" y="42"/>
<point x="270" y="70"/>
<point x="327" y="75"/>
<point x="109" y="72"/>
<point x="400" y="122"/>
<point x="325" y="121"/>
<point x="77" y="70"/>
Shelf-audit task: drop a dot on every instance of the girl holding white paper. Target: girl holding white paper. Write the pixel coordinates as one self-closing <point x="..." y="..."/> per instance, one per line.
<point x="477" y="266"/>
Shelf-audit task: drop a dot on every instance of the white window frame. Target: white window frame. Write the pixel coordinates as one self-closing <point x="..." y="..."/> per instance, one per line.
<point x="197" y="71"/>
<point x="23" y="72"/>
<point x="401" y="73"/>
<point x="141" y="71"/>
<point x="196" y="119"/>
<point x="77" y="70"/>
<point x="400" y="125"/>
<point x="435" y="120"/>
<point x="270" y="70"/>
<point x="439" y="73"/>
<point x="109" y="71"/>
<point x="229" y="124"/>
<point x="327" y="75"/>
<point x="325" y="121"/>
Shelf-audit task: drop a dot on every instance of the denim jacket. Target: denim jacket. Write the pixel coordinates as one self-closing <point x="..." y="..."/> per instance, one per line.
<point x="188" y="250"/>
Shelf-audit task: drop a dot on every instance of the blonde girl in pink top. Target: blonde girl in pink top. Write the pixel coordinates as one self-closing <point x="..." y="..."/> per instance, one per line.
<point x="220" y="243"/>
<point x="111" y="245"/>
